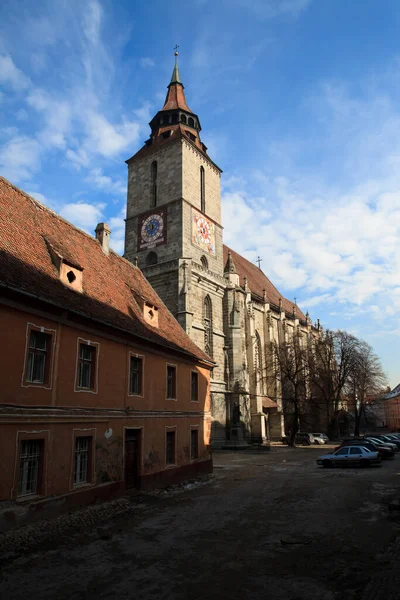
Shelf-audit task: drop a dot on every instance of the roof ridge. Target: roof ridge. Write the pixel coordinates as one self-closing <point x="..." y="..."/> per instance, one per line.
<point x="252" y="265"/>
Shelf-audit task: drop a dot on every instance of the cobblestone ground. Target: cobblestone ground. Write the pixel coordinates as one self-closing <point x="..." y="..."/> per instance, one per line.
<point x="265" y="525"/>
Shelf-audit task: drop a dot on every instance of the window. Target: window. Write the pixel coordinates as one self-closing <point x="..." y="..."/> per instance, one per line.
<point x="194" y="389"/>
<point x="136" y="376"/>
<point x="38" y="357"/>
<point x="87" y="367"/>
<point x="191" y="122"/>
<point x="194" y="444"/>
<point x="154" y="183"/>
<point x="204" y="262"/>
<point x="81" y="460"/>
<point x="166" y="134"/>
<point x="208" y="345"/>
<point x="183" y="119"/>
<point x="342" y="452"/>
<point x="170" y="448"/>
<point x="29" y="467"/>
<point x="151" y="259"/>
<point x="202" y="190"/>
<point x="171" y="382"/>
<point x="355" y="450"/>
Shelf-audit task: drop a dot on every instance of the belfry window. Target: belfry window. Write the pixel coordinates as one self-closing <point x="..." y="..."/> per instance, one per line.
<point x="183" y="119"/>
<point x="191" y="122"/>
<point x="202" y="190"/>
<point x="154" y="183"/>
<point x="208" y="333"/>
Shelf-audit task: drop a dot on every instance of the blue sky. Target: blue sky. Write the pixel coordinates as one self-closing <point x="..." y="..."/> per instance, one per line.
<point x="299" y="104"/>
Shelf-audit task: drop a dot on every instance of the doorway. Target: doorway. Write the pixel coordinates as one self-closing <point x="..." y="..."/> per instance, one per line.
<point x="132" y="458"/>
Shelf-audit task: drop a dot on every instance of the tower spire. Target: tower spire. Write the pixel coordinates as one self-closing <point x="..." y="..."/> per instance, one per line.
<point x="176" y="78"/>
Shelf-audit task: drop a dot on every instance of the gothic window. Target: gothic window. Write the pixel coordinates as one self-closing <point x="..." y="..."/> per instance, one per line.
<point x="183" y="119"/>
<point x="204" y="261"/>
<point x="258" y="361"/>
<point x="202" y="191"/>
<point x="208" y="335"/>
<point x="151" y="259"/>
<point x="191" y="122"/>
<point x="154" y="183"/>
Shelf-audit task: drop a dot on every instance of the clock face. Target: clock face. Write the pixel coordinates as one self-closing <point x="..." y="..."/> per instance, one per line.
<point x="203" y="232"/>
<point x="152" y="228"/>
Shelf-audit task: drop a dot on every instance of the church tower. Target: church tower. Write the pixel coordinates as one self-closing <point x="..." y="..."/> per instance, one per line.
<point x="174" y="230"/>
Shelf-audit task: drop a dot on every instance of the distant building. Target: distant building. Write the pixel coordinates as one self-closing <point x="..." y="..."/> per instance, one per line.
<point x="391" y="404"/>
<point x="101" y="389"/>
<point x="226" y="304"/>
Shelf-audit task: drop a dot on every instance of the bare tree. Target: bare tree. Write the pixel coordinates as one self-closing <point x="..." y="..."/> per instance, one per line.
<point x="291" y="361"/>
<point x="333" y="359"/>
<point x="366" y="381"/>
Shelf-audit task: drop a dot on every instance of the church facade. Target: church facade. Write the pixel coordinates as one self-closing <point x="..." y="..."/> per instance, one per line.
<point x="226" y="304"/>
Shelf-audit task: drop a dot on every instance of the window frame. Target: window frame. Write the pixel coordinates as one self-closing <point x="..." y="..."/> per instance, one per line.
<point x="194" y="428"/>
<point x="43" y="436"/>
<point x="175" y="390"/>
<point x="168" y="430"/>
<point x="94" y="368"/>
<point x="202" y="189"/>
<point x="49" y="361"/>
<point x="91" y="433"/>
<point x="141" y="357"/>
<point x="196" y="399"/>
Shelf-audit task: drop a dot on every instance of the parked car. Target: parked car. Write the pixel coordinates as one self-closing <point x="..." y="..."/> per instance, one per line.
<point x="386" y="439"/>
<point x="350" y="456"/>
<point x="321" y="438"/>
<point x="383" y="451"/>
<point x="305" y="439"/>
<point x="387" y="443"/>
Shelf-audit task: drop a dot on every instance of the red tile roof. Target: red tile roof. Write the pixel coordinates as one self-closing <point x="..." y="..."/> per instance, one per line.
<point x="110" y="283"/>
<point x="175" y="98"/>
<point x="258" y="281"/>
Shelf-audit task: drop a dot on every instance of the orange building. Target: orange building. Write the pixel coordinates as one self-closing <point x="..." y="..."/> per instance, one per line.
<point x="101" y="389"/>
<point x="391" y="404"/>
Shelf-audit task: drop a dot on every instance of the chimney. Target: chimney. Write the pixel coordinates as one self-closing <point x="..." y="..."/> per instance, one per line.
<point x="103" y="232"/>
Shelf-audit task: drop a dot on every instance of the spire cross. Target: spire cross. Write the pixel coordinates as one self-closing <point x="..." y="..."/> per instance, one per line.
<point x="176" y="49"/>
<point x="259" y="261"/>
<point x="295" y="301"/>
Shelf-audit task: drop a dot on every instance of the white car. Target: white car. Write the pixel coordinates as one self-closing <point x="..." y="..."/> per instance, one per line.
<point x="350" y="456"/>
<point x="320" y="438"/>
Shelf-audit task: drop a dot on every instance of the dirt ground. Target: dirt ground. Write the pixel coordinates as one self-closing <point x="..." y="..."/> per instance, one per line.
<point x="267" y="525"/>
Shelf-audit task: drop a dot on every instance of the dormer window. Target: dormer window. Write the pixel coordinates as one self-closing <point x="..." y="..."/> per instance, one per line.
<point x="71" y="276"/>
<point x="69" y="270"/>
<point x="150" y="313"/>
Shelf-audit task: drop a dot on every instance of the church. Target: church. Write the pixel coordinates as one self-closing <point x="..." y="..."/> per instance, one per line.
<point x="226" y="304"/>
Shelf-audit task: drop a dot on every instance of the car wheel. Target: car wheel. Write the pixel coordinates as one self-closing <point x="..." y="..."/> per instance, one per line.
<point x="364" y="463"/>
<point x="326" y="464"/>
<point x="305" y="443"/>
<point x="316" y="443"/>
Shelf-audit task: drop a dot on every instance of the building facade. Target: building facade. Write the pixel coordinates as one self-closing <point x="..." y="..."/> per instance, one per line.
<point x="102" y="390"/>
<point x="227" y="305"/>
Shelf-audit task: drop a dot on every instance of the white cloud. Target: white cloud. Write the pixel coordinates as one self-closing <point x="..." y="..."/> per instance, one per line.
<point x="11" y="75"/>
<point x="20" y="158"/>
<point x="106" y="183"/>
<point x="117" y="226"/>
<point x="83" y="215"/>
<point x="146" y="62"/>
<point x="92" y="22"/>
<point x="108" y="139"/>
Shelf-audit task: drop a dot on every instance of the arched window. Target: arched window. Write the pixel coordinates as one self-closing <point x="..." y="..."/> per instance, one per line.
<point x="204" y="262"/>
<point x="174" y="118"/>
<point x="183" y="119"/>
<point x="154" y="183"/>
<point x="202" y="190"/>
<point x="191" y="122"/>
<point x="208" y="334"/>
<point x="151" y="259"/>
<point x="258" y="362"/>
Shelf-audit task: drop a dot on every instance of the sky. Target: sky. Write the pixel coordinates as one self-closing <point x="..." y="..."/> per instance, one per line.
<point x="299" y="106"/>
